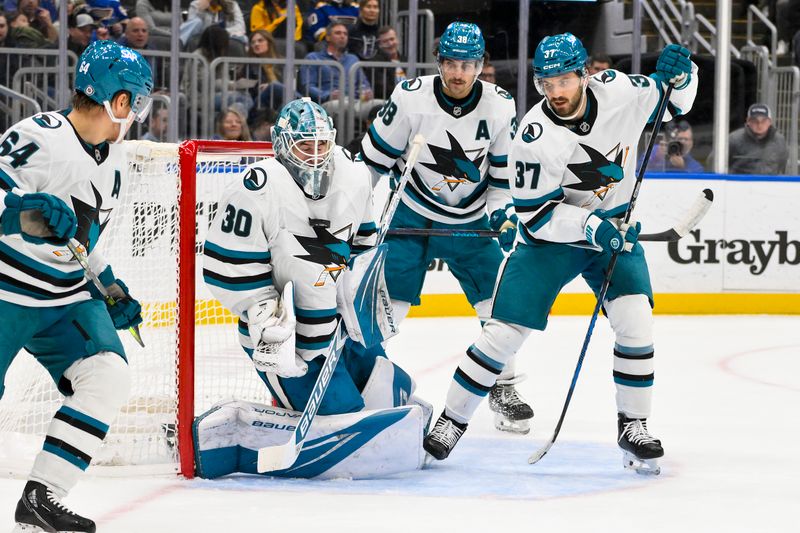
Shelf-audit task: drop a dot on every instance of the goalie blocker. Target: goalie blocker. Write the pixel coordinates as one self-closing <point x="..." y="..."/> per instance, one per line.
<point x="383" y="439"/>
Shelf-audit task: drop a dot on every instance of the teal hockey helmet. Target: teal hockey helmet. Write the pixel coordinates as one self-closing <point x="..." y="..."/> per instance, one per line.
<point x="462" y="40"/>
<point x="559" y="54"/>
<point x="303" y="139"/>
<point x="106" y="68"/>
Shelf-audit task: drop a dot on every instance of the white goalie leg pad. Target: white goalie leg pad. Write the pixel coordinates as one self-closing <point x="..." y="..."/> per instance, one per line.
<point x="363" y="299"/>
<point x="388" y="386"/>
<point x="400" y="310"/>
<point x="631" y="318"/>
<point x="101" y="385"/>
<point x="363" y="445"/>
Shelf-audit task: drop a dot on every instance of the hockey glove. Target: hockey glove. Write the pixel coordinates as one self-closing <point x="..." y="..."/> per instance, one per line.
<point x="673" y="65"/>
<point x="630" y="232"/>
<point x="507" y="227"/>
<point x="39" y="218"/>
<point x="126" y="311"/>
<point x="271" y="325"/>
<point x="604" y="234"/>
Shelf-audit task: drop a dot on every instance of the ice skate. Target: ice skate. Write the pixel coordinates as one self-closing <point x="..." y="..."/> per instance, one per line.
<point x="443" y="437"/>
<point x="640" y="450"/>
<point x="511" y="412"/>
<point x="40" y="509"/>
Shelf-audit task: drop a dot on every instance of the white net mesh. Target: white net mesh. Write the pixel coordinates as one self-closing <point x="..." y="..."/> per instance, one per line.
<point x="141" y="244"/>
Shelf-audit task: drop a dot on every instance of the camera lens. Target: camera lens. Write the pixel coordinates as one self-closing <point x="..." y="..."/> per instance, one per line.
<point x="674" y="148"/>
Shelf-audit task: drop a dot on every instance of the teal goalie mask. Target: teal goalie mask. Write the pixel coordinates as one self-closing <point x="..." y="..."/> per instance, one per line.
<point x="303" y="139"/>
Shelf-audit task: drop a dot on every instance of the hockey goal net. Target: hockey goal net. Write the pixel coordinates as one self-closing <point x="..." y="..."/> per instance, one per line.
<point x="191" y="357"/>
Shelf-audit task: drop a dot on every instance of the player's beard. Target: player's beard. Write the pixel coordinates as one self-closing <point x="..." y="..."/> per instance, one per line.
<point x="567" y="108"/>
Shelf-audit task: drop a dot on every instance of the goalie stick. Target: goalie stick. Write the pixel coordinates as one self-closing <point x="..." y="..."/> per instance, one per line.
<point x="690" y="219"/>
<point x="662" y="108"/>
<point x="282" y="456"/>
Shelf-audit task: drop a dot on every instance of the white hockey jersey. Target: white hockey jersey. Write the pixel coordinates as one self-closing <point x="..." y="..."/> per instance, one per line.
<point x="44" y="153"/>
<point x="267" y="232"/>
<point x="462" y="171"/>
<point x="565" y="171"/>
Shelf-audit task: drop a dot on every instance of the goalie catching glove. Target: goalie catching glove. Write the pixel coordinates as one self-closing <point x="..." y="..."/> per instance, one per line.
<point x="271" y="325"/>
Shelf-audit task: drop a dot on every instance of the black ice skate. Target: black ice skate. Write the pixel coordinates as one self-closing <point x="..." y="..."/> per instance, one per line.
<point x="443" y="437"/>
<point x="40" y="509"/>
<point x="640" y="450"/>
<point x="511" y="412"/>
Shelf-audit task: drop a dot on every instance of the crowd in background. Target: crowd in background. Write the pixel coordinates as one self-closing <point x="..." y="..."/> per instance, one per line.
<point x="330" y="30"/>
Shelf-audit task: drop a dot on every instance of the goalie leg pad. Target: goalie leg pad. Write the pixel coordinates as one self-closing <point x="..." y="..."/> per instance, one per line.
<point x="100" y="385"/>
<point x="631" y="319"/>
<point x="368" y="444"/>
<point x="387" y="386"/>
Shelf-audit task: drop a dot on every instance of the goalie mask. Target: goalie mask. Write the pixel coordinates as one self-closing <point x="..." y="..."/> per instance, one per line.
<point x="104" y="69"/>
<point x="303" y="139"/>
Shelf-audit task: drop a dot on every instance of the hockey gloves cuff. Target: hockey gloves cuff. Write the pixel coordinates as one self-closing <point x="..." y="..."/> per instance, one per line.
<point x="673" y="65"/>
<point x="507" y="227"/>
<point x="51" y="219"/>
<point x="606" y="235"/>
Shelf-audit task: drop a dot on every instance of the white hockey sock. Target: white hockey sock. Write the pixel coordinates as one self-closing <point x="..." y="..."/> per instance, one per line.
<point x="631" y="319"/>
<point x="483" y="363"/>
<point x="101" y="385"/>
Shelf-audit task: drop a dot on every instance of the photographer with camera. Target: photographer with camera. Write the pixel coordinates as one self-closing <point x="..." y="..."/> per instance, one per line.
<point x="672" y="153"/>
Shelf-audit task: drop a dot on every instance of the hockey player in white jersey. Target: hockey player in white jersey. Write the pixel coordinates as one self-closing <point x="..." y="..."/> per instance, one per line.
<point x="574" y="159"/>
<point x="299" y="217"/>
<point x="61" y="175"/>
<point x="462" y="176"/>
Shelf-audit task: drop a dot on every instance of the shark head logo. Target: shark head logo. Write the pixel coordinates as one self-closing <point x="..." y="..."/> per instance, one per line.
<point x="454" y="164"/>
<point x="327" y="250"/>
<point x="598" y="174"/>
<point x="92" y="219"/>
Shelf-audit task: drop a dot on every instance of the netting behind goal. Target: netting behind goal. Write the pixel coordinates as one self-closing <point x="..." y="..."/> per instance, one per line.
<point x="191" y="358"/>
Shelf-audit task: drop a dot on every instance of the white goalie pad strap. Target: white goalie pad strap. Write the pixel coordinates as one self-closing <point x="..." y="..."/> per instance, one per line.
<point x="363" y="445"/>
<point x="363" y="300"/>
<point x="271" y="324"/>
<point x="388" y="386"/>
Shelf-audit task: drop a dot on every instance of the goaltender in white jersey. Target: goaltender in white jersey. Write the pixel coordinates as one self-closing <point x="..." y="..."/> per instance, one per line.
<point x="276" y="254"/>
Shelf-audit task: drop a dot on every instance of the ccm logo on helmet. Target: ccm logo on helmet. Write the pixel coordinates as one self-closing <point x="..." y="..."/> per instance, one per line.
<point x="549" y="67"/>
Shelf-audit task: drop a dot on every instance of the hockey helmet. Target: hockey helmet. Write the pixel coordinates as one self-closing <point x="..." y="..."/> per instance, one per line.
<point x="106" y="68"/>
<point x="559" y="54"/>
<point x="462" y="40"/>
<point x="310" y="164"/>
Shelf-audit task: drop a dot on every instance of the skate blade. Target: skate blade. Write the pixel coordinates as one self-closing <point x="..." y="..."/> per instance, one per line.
<point x="644" y="467"/>
<point x="27" y="528"/>
<point x="520" y="427"/>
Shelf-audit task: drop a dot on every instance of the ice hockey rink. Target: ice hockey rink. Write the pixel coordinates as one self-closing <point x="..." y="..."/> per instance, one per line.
<point x="726" y="398"/>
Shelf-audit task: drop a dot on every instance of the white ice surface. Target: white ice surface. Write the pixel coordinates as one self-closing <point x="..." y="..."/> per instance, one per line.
<point x="726" y="408"/>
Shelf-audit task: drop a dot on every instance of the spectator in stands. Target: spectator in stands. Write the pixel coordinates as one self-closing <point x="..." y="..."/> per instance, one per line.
<point x="321" y="82"/>
<point x="354" y="146"/>
<point x="224" y="13"/>
<point x="757" y="148"/>
<point x="50" y="5"/>
<point x="108" y="14"/>
<point x="80" y="29"/>
<point x="265" y="89"/>
<point x="39" y="19"/>
<point x="22" y="32"/>
<point x="363" y="36"/>
<point x="384" y="80"/>
<point x="214" y="43"/>
<point x="231" y="126"/>
<point x="6" y="41"/>
<point x="326" y="13"/>
<point x="488" y="73"/>
<point x="598" y="63"/>
<point x="261" y="124"/>
<point x="673" y="154"/>
<point x="158" y="16"/>
<point x="136" y="35"/>
<point x="270" y="15"/>
<point x="158" y="123"/>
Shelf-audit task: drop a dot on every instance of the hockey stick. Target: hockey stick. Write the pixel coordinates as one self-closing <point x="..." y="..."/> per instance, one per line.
<point x="84" y="262"/>
<point x="690" y="219"/>
<point x="606" y="281"/>
<point x="282" y="456"/>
